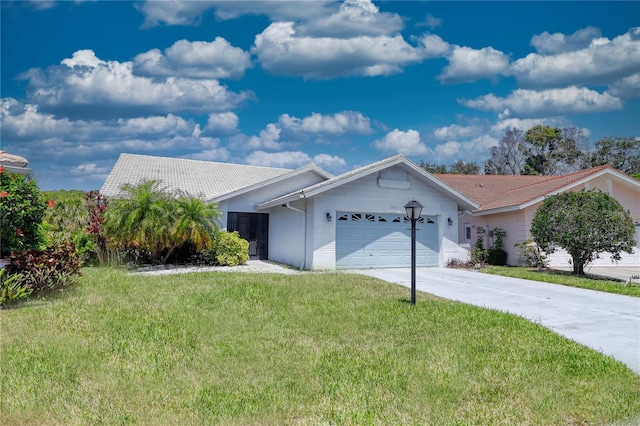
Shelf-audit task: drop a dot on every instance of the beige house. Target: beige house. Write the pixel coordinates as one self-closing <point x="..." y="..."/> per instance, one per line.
<point x="510" y="203"/>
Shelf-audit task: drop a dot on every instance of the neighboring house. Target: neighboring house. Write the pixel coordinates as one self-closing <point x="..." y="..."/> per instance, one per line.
<point x="14" y="163"/>
<point x="311" y="219"/>
<point x="510" y="203"/>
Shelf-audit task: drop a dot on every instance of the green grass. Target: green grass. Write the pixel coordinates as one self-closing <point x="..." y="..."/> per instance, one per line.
<point x="245" y="349"/>
<point x="565" y="278"/>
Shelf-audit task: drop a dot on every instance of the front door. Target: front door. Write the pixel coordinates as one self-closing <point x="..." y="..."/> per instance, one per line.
<point x="253" y="227"/>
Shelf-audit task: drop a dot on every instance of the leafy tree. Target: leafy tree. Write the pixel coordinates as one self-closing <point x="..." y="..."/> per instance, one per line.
<point x="433" y="167"/>
<point x="462" y="168"/>
<point x="585" y="224"/>
<point x="457" y="168"/>
<point x="621" y="153"/>
<point x="541" y="150"/>
<point x="553" y="151"/>
<point x="21" y="211"/>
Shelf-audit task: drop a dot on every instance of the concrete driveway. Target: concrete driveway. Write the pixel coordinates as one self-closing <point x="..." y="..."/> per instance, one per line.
<point x="608" y="323"/>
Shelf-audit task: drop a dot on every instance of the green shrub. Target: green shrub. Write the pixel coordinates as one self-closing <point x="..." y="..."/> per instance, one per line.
<point x="530" y="254"/>
<point x="21" y="209"/>
<point x="12" y="288"/>
<point x="228" y="249"/>
<point x="497" y="255"/>
<point x="49" y="269"/>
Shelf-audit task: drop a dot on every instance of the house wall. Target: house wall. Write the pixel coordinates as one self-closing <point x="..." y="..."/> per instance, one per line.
<point x="247" y="202"/>
<point x="286" y="235"/>
<point x="517" y="224"/>
<point x="365" y="195"/>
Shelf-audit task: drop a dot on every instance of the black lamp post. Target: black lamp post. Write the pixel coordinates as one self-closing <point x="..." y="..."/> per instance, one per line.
<point x="413" y="209"/>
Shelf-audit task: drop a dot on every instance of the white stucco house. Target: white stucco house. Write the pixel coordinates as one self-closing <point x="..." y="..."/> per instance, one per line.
<point x="310" y="219"/>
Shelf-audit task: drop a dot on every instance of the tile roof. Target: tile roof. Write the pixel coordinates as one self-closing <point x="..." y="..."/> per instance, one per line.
<point x="206" y="179"/>
<point x="499" y="191"/>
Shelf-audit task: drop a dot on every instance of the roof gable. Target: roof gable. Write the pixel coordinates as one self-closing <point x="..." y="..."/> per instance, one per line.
<point x="398" y="160"/>
<point x="500" y="192"/>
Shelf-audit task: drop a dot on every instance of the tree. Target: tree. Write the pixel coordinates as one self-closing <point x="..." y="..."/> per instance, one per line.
<point x="21" y="212"/>
<point x="621" y="153"/>
<point x="507" y="157"/>
<point x="462" y="168"/>
<point x="541" y="150"/>
<point x="585" y="224"/>
<point x="433" y="167"/>
<point x="457" y="168"/>
<point x="552" y="151"/>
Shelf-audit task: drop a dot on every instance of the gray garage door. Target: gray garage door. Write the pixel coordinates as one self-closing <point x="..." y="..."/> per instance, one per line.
<point x="371" y="240"/>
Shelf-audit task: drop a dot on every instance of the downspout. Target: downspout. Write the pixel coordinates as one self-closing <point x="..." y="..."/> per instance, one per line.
<point x="304" y="228"/>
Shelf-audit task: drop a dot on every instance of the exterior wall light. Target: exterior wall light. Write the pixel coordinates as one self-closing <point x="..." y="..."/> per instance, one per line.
<point x="328" y="217"/>
<point x="449" y="221"/>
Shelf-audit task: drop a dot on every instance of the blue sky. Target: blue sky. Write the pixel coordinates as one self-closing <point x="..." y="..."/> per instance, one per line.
<point x="283" y="84"/>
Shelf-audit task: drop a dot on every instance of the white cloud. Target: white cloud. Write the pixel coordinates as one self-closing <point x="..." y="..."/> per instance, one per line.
<point x="628" y="87"/>
<point x="354" y="18"/>
<point x="173" y="12"/>
<point x="603" y="61"/>
<point x="398" y="141"/>
<point x="84" y="85"/>
<point x="225" y="123"/>
<point x="469" y="65"/>
<point x="546" y="43"/>
<point x="469" y="150"/>
<point x="287" y="159"/>
<point x="269" y="138"/>
<point x="340" y="123"/>
<point x="430" y="21"/>
<point x="197" y="59"/>
<point x="530" y="103"/>
<point x="89" y="169"/>
<point x="72" y="143"/>
<point x="328" y="161"/>
<point x="280" y="50"/>
<point x="433" y="46"/>
<point x="456" y="131"/>
<point x="190" y="12"/>
<point x="293" y="159"/>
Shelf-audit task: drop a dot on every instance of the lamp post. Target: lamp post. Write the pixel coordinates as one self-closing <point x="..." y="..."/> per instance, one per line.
<point x="413" y="210"/>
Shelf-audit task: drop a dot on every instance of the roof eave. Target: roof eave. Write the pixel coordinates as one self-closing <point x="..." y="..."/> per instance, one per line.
<point x="304" y="169"/>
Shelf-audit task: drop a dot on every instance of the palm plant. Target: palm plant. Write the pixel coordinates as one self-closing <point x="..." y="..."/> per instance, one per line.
<point x="193" y="221"/>
<point x="142" y="219"/>
<point x="149" y="218"/>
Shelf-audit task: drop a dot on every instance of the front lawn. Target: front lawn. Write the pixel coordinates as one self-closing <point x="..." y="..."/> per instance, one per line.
<point x="225" y="348"/>
<point x="565" y="278"/>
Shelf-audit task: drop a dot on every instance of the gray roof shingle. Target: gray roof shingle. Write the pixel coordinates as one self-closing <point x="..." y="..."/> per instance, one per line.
<point x="204" y="179"/>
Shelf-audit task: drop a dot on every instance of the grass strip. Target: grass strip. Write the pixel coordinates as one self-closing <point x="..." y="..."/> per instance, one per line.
<point x="238" y="349"/>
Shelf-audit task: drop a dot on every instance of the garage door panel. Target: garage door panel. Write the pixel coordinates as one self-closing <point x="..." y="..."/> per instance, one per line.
<point x="371" y="240"/>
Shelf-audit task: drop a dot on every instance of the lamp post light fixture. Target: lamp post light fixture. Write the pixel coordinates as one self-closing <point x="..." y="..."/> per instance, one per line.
<point x="413" y="210"/>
